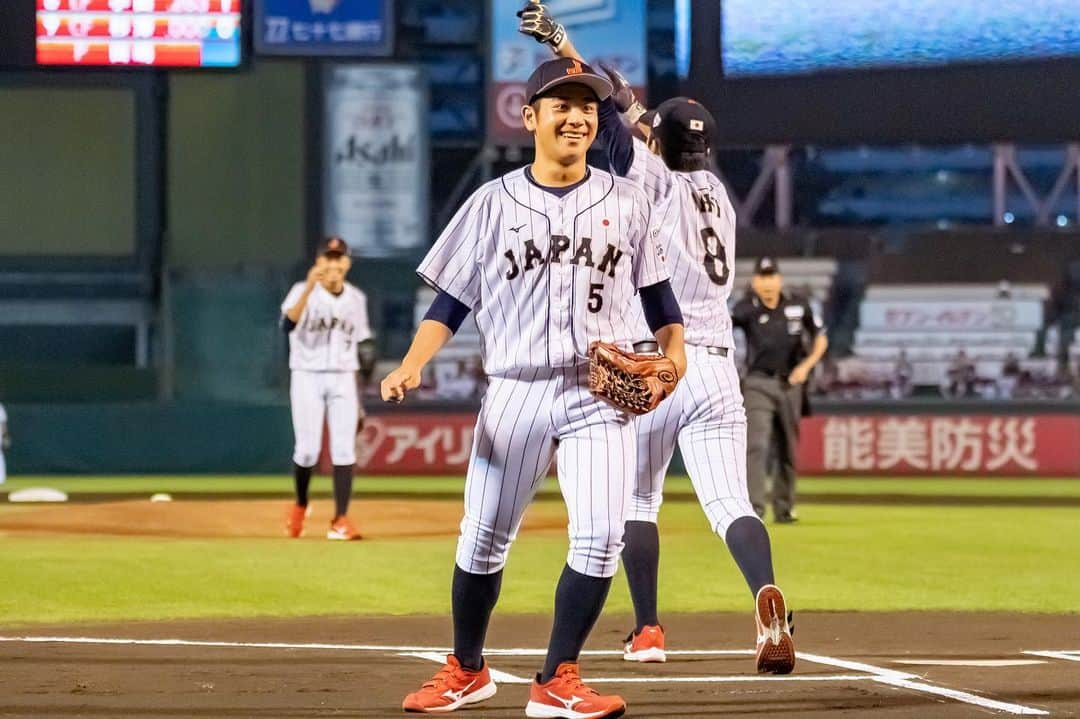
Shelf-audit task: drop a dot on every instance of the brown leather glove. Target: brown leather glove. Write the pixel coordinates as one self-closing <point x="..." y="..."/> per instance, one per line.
<point x="634" y="382"/>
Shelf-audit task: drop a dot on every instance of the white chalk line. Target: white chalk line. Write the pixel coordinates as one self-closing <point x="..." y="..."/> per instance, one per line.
<point x="1069" y="655"/>
<point x="881" y="675"/>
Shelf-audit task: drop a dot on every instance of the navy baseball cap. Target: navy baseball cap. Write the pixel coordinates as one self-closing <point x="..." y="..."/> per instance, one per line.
<point x="766" y="266"/>
<point x="683" y="125"/>
<point x="333" y="246"/>
<point x="563" y="71"/>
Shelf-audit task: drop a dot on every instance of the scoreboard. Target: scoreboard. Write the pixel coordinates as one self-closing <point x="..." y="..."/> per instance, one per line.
<point x="140" y="33"/>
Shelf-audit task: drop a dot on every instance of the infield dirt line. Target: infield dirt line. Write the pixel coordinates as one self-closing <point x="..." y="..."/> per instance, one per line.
<point x="881" y="675"/>
<point x="1069" y="655"/>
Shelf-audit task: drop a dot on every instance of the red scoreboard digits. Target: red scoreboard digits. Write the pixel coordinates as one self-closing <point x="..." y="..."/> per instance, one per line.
<point x="134" y="33"/>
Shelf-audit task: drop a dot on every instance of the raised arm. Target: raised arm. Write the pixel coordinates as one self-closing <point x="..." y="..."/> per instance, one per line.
<point x="612" y="135"/>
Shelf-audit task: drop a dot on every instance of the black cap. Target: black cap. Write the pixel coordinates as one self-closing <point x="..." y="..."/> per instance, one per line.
<point x="333" y="246"/>
<point x="647" y="117"/>
<point x="683" y="125"/>
<point x="766" y="266"/>
<point x="562" y="71"/>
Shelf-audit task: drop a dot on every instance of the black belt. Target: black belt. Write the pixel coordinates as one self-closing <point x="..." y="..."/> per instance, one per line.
<point x="768" y="373"/>
<point x="647" y="346"/>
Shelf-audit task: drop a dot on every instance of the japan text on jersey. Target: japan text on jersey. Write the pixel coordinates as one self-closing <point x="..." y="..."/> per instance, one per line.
<point x="548" y="275"/>
<point x="694" y="225"/>
<point x="325" y="338"/>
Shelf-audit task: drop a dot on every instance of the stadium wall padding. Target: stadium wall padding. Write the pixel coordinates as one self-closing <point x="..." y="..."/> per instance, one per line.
<point x="149" y="438"/>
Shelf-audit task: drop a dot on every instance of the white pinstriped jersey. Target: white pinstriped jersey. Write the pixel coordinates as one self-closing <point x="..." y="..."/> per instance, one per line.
<point x="548" y="275"/>
<point x="326" y="336"/>
<point x="694" y="224"/>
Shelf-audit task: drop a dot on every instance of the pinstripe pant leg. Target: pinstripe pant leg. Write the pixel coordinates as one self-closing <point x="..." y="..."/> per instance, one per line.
<point x="597" y="465"/>
<point x="512" y="450"/>
<point x="713" y="442"/>
<point x="308" y="409"/>
<point x="657" y="432"/>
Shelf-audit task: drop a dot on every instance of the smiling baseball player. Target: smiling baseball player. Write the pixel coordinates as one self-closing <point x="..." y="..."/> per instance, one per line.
<point x="696" y="230"/>
<point x="550" y="258"/>
<point x="327" y="321"/>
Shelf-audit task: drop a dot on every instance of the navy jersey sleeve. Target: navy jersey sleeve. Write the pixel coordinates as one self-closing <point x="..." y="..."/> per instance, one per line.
<point x="616" y="139"/>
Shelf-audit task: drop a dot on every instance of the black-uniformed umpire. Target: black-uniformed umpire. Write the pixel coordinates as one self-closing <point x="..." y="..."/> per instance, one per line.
<point x="785" y="340"/>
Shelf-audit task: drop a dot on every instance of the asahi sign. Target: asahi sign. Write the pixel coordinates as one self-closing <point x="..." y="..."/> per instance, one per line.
<point x="376" y="158"/>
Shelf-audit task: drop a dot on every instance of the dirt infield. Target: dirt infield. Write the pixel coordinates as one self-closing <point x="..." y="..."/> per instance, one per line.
<point x="258" y="518"/>
<point x="853" y="665"/>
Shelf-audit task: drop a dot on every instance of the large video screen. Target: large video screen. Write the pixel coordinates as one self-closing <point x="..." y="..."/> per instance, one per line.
<point x="784" y="37"/>
<point x="140" y="33"/>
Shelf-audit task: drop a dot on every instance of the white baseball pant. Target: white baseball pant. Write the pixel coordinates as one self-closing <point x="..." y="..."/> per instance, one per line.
<point x="318" y="395"/>
<point x="705" y="414"/>
<point x="527" y="418"/>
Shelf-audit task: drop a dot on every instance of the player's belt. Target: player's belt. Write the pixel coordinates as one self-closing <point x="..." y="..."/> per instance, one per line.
<point x="650" y="346"/>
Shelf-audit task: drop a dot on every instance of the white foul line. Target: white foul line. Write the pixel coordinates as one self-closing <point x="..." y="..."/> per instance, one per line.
<point x="964" y="697"/>
<point x="499" y="676"/>
<point x="914" y="683"/>
<point x="1069" y="655"/>
<point x="231" y="645"/>
<point x="881" y="675"/>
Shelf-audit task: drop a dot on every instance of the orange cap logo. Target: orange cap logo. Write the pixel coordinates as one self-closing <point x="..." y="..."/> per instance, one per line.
<point x="575" y="70"/>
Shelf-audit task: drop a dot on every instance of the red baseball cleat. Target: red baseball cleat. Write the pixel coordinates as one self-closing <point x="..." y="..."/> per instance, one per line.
<point x="342" y="528"/>
<point x="775" y="648"/>
<point x="294" y="519"/>
<point x="646" y="646"/>
<point x="452" y="687"/>
<point x="567" y="697"/>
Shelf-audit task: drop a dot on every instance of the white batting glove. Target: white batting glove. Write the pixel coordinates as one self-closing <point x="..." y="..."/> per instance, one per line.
<point x="538" y="24"/>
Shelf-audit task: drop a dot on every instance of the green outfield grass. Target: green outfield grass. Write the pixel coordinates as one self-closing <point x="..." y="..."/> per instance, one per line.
<point x="840" y="557"/>
<point x="452" y="486"/>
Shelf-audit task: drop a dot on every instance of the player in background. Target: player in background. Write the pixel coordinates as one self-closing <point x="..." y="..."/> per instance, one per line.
<point x="329" y="341"/>
<point x="696" y="231"/>
<point x="549" y="257"/>
<point x="5" y="443"/>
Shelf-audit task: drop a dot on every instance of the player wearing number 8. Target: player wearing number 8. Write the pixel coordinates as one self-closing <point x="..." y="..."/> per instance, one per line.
<point x="695" y="228"/>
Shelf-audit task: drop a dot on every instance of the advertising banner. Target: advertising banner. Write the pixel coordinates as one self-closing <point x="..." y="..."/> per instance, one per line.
<point x="612" y="31"/>
<point x="376" y="158"/>
<point x="324" y="27"/>
<point x="950" y="316"/>
<point x="954" y="445"/>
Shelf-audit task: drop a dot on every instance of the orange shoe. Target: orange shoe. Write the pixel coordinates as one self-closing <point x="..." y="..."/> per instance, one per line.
<point x="452" y="687"/>
<point x="342" y="528"/>
<point x="775" y="647"/>
<point x="645" y="646"/>
<point x="567" y="697"/>
<point x="294" y="519"/>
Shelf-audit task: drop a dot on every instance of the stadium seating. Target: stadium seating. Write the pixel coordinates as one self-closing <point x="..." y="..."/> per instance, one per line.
<point x="929" y="325"/>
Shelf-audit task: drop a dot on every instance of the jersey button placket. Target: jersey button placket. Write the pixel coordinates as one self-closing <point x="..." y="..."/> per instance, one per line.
<point x="562" y="347"/>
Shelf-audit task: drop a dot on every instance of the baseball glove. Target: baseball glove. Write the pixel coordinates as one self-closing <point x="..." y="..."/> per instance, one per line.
<point x="636" y="383"/>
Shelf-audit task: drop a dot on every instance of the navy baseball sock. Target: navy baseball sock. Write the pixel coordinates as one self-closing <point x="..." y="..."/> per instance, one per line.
<point x="748" y="543"/>
<point x="301" y="480"/>
<point x="641" y="560"/>
<point x="343" y="474"/>
<point x="473" y="596"/>
<point x="578" y="601"/>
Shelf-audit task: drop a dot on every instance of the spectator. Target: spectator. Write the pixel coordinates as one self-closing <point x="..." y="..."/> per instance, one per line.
<point x="1010" y="375"/>
<point x="903" y="373"/>
<point x="960" y="379"/>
